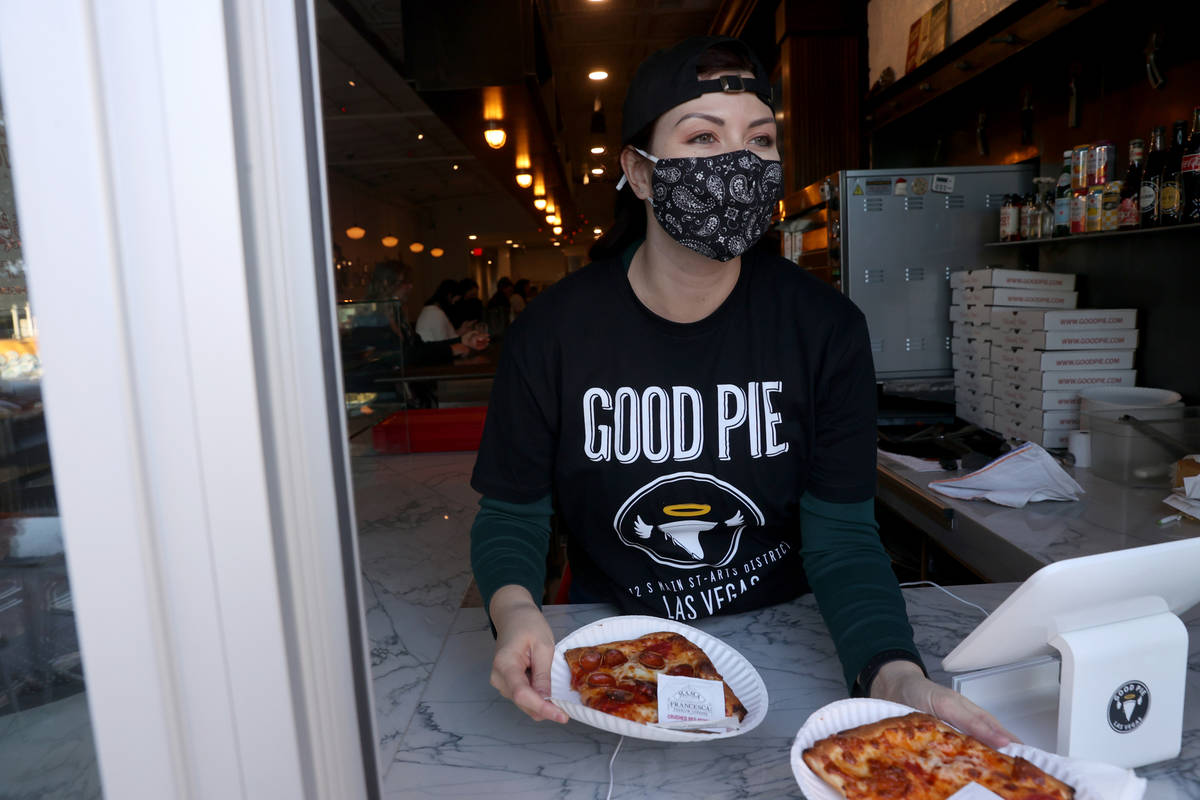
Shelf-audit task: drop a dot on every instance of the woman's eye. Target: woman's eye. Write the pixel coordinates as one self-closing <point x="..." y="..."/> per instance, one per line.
<point x="762" y="141"/>
<point x="702" y="138"/>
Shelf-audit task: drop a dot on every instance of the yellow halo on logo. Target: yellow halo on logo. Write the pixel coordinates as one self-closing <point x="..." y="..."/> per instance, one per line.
<point x="687" y="510"/>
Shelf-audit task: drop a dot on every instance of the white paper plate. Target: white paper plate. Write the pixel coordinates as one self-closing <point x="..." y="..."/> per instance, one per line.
<point x="739" y="673"/>
<point x="844" y="714"/>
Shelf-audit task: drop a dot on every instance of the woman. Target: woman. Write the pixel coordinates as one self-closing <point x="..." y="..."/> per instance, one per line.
<point x="703" y="414"/>
<point x="469" y="307"/>
<point x="433" y="323"/>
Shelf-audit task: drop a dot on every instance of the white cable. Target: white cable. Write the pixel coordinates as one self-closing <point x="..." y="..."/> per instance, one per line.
<point x="610" y="767"/>
<point x="944" y="589"/>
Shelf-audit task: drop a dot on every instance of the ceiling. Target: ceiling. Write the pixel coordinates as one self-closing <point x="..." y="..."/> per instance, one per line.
<point x="416" y="107"/>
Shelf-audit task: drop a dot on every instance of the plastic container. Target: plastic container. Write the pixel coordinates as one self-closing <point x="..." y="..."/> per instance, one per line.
<point x="1130" y="446"/>
<point x="1154" y="403"/>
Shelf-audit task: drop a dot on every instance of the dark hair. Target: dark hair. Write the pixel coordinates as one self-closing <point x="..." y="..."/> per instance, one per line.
<point x="385" y="277"/>
<point x="442" y="297"/>
<point x="466" y="285"/>
<point x="521" y="286"/>
<point x="629" y="212"/>
<point x="503" y="283"/>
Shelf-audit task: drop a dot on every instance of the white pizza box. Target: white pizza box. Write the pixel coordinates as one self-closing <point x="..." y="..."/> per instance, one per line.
<point x="981" y="384"/>
<point x="958" y="279"/>
<point x="1031" y="298"/>
<point x="969" y="362"/>
<point x="1079" y="319"/>
<point x="1053" y="360"/>
<point x="977" y="313"/>
<point x="958" y="297"/>
<point x="982" y="419"/>
<point x="957" y="313"/>
<point x="1035" y="398"/>
<point x="1018" y="279"/>
<point x="1115" y="339"/>
<point x="980" y="348"/>
<point x="1046" y="420"/>
<point x="1017" y="429"/>
<point x="970" y="399"/>
<point x="971" y="331"/>
<point x="1081" y="379"/>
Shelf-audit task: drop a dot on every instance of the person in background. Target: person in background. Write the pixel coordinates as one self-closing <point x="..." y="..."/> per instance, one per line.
<point x="699" y="415"/>
<point x="469" y="307"/>
<point x="433" y="323"/>
<point x="499" y="308"/>
<point x="517" y="301"/>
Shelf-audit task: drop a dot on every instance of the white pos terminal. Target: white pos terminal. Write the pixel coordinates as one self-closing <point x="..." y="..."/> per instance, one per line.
<point x="1088" y="657"/>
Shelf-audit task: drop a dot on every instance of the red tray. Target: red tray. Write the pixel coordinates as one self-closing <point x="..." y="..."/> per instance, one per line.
<point x="430" y="430"/>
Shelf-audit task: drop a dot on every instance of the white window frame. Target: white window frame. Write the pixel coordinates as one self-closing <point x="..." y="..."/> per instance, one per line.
<point x="168" y="168"/>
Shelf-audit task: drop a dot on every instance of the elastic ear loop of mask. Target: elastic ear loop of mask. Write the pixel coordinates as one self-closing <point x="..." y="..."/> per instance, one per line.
<point x="653" y="160"/>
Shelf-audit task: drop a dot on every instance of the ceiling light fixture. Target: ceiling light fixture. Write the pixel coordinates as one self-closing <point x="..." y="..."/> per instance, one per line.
<point x="495" y="135"/>
<point x="355" y="232"/>
<point x="539" y="203"/>
<point x="508" y="241"/>
<point x="420" y="136"/>
<point x="596" y="231"/>
<point x="416" y="247"/>
<point x="472" y="236"/>
<point x="557" y="230"/>
<point x="556" y="244"/>
<point x="351" y="83"/>
<point x="437" y="252"/>
<point x="524" y="180"/>
<point x="597" y="74"/>
<point x="597" y="170"/>
<point x="389" y="241"/>
<point x="597" y="149"/>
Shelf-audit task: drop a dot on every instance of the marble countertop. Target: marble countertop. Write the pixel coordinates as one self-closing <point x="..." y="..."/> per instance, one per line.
<point x="465" y="741"/>
<point x="1009" y="544"/>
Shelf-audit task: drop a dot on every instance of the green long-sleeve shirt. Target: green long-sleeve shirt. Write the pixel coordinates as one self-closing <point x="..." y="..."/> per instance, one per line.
<point x="844" y="562"/>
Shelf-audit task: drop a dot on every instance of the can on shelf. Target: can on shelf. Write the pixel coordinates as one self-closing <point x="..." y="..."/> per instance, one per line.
<point x="1095" y="209"/>
<point x="1078" y="211"/>
<point x="1102" y="163"/>
<point x="1110" y="215"/>
<point x="1079" y="166"/>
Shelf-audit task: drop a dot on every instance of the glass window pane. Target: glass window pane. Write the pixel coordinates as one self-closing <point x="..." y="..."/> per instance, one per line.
<point x="46" y="747"/>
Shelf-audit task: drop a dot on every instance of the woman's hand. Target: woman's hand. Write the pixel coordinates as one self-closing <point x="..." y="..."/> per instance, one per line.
<point x="524" y="652"/>
<point x="903" y="682"/>
<point x="476" y="339"/>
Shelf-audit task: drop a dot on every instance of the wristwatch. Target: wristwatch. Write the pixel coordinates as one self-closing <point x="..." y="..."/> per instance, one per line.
<point x="862" y="684"/>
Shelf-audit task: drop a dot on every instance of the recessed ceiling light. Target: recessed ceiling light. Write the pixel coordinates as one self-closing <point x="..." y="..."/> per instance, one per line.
<point x="557" y="230"/>
<point x="597" y="170"/>
<point x="596" y="231"/>
<point x="508" y="241"/>
<point x="472" y="236"/>
<point x="597" y="74"/>
<point x="420" y="136"/>
<point x="556" y="244"/>
<point x="351" y="83"/>
<point x="454" y="167"/>
<point x="597" y="150"/>
<point x="524" y="180"/>
<point x="539" y="203"/>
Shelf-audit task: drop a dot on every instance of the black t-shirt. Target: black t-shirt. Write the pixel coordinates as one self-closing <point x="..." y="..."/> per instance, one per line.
<point x="677" y="454"/>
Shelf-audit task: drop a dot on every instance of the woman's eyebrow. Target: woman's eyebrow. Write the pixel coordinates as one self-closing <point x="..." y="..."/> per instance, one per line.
<point x="709" y="117"/>
<point x="762" y="121"/>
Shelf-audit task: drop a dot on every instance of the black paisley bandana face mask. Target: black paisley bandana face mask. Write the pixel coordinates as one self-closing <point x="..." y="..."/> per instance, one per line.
<point x="716" y="205"/>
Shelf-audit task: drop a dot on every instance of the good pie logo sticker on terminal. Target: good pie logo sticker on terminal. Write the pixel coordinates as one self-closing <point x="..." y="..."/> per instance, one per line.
<point x="691" y="703"/>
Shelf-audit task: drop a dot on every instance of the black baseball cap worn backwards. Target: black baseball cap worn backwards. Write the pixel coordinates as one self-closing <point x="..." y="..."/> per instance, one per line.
<point x="668" y="77"/>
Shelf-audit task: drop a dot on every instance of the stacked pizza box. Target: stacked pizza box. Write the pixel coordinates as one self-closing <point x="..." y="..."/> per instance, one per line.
<point x="1040" y="351"/>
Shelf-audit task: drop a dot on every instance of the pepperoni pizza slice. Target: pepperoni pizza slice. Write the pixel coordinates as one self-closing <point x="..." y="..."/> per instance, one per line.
<point x="621" y="678"/>
<point x="919" y="757"/>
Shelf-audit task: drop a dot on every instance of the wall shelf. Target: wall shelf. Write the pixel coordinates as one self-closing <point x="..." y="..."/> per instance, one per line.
<point x="1089" y="237"/>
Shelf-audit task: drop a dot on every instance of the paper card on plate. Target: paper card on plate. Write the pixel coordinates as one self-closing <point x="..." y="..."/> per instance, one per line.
<point x="973" y="791"/>
<point x="690" y="702"/>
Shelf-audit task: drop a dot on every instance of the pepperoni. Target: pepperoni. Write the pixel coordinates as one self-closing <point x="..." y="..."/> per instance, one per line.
<point x="601" y="679"/>
<point x="590" y="660"/>
<point x="619" y="695"/>
<point x="682" y="669"/>
<point x="651" y="659"/>
<point x="613" y="657"/>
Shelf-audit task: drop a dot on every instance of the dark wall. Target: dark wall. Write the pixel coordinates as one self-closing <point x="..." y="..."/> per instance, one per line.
<point x="1157" y="273"/>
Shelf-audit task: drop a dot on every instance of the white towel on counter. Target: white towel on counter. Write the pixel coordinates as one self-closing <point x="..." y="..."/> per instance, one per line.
<point x="1026" y="475"/>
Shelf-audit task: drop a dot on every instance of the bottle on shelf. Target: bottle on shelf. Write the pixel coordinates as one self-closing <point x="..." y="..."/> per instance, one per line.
<point x="1029" y="217"/>
<point x="1010" y="218"/>
<point x="1189" y="173"/>
<point x="1130" y="215"/>
<point x="1062" y="198"/>
<point x="1150" y="206"/>
<point x="1169" y="192"/>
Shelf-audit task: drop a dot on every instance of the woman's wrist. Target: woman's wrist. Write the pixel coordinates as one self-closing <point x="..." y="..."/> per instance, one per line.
<point x="507" y="599"/>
